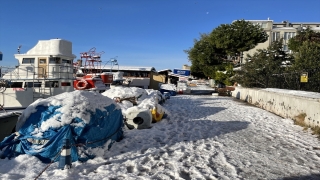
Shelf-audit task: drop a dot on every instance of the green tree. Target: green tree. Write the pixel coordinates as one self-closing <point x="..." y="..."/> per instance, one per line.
<point x="226" y="75"/>
<point x="266" y="68"/>
<point x="204" y="56"/>
<point x="273" y="68"/>
<point x="237" y="37"/>
<point x="196" y="70"/>
<point x="302" y="36"/>
<point x="209" y="53"/>
<point x="306" y="51"/>
<point x="307" y="60"/>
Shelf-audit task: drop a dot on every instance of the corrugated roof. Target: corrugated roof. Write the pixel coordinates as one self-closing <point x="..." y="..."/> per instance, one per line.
<point x="163" y="70"/>
<point x="128" y="68"/>
<point x="177" y="75"/>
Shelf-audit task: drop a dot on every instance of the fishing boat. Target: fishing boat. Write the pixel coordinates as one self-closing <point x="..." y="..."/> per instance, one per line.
<point x="45" y="70"/>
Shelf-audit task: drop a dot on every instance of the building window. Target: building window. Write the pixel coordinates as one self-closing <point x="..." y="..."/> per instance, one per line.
<point x="54" y="60"/>
<point x="275" y="36"/>
<point x="263" y="25"/>
<point x="14" y="85"/>
<point x="31" y="84"/>
<point x="288" y="35"/>
<point x="43" y="61"/>
<point x="27" y="60"/>
<point x="51" y="84"/>
<point x="66" y="61"/>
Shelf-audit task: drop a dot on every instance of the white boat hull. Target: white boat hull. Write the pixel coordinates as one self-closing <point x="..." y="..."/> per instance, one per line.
<point x="16" y="98"/>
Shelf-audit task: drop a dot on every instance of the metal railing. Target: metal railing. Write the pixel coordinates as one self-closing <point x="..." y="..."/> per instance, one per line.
<point x="35" y="72"/>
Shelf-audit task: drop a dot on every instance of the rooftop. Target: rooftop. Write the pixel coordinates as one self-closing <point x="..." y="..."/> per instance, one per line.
<point x="129" y="68"/>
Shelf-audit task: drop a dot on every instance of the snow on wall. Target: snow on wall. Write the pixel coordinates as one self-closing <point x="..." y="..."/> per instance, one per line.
<point x="285" y="103"/>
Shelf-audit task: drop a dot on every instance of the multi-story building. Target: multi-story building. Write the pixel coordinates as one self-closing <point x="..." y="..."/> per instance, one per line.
<point x="278" y="30"/>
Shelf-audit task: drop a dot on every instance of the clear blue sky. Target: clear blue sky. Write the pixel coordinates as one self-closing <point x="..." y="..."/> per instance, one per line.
<point x="140" y="32"/>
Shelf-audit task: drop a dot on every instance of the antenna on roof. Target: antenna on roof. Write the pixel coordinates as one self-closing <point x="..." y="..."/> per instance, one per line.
<point x="19" y="49"/>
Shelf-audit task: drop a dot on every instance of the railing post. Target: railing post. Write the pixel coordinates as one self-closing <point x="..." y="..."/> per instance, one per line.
<point x="65" y="156"/>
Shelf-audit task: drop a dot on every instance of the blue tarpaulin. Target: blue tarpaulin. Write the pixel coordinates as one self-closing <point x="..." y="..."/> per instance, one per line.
<point x="104" y="125"/>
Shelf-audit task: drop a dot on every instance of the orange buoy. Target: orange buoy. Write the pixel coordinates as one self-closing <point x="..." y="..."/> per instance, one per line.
<point x="82" y="84"/>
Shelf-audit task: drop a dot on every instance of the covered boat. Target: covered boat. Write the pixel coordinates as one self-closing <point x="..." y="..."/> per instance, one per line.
<point x="86" y="118"/>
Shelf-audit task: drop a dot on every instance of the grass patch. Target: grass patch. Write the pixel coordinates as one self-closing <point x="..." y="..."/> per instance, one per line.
<point x="316" y="131"/>
<point x="299" y="120"/>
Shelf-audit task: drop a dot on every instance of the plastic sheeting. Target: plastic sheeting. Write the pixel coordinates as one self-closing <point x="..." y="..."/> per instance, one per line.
<point x="105" y="125"/>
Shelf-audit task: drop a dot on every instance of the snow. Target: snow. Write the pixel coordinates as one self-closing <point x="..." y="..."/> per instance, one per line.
<point x="203" y="137"/>
<point x="307" y="94"/>
<point x="170" y="87"/>
<point x="76" y="102"/>
<point x="145" y="98"/>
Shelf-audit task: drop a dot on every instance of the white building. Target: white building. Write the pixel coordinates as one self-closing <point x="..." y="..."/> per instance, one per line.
<point x="278" y="30"/>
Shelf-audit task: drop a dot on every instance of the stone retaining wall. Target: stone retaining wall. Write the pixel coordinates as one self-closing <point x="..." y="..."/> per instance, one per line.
<point x="285" y="105"/>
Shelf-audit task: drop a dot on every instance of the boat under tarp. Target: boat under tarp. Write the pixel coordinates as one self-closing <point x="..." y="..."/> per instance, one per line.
<point x="87" y="119"/>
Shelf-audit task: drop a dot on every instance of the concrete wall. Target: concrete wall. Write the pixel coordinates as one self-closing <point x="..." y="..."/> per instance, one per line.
<point x="285" y="105"/>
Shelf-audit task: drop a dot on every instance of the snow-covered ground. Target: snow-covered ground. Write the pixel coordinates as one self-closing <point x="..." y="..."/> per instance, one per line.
<point x="203" y="137"/>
